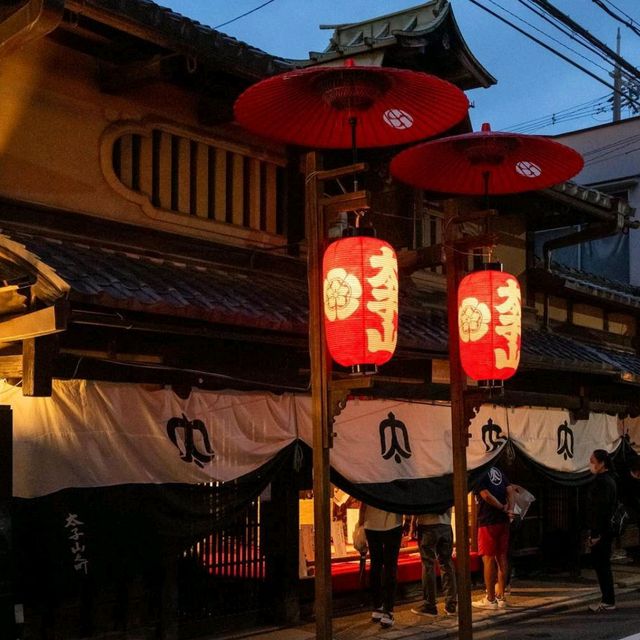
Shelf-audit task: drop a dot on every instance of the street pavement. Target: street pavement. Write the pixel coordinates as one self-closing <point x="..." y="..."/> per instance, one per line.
<point x="529" y="598"/>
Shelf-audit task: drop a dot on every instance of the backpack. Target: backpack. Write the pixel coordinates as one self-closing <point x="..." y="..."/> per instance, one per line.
<point x="619" y="519"/>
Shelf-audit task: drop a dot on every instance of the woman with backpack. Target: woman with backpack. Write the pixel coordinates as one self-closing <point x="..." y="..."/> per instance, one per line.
<point x="601" y="503"/>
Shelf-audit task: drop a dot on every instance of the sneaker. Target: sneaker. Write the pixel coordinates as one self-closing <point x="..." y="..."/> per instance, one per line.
<point x="485" y="603"/>
<point x="387" y="620"/>
<point x="450" y="609"/>
<point x="430" y="611"/>
<point x="502" y="603"/>
<point x="507" y="588"/>
<point x="376" y="615"/>
<point x="601" y="607"/>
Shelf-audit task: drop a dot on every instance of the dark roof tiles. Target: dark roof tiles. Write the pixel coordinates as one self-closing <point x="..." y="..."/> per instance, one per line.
<point x="251" y="298"/>
<point x="136" y="281"/>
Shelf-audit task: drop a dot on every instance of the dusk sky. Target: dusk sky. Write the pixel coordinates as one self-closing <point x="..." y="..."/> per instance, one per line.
<point x="532" y="82"/>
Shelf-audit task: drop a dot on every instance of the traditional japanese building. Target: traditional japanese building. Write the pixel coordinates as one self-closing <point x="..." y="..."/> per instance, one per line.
<point x="154" y="334"/>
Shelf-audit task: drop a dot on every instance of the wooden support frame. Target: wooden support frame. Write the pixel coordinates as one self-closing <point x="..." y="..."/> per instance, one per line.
<point x="36" y="323"/>
<point x="462" y="402"/>
<point x="38" y="357"/>
<point x="7" y="600"/>
<point x="327" y="397"/>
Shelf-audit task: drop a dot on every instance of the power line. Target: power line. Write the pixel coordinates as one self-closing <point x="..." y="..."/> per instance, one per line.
<point x="557" y="53"/>
<point x="627" y="23"/>
<point x="556" y="13"/>
<point x="575" y="108"/>
<point x="224" y="24"/>
<point x="576" y="37"/>
<point x="594" y="107"/>
<point x="562" y="44"/>
<point x="619" y="10"/>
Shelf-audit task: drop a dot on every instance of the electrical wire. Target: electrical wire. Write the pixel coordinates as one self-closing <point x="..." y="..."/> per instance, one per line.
<point x="224" y="24"/>
<point x="584" y="108"/>
<point x="619" y="10"/>
<point x="557" y="53"/>
<point x="549" y="8"/>
<point x="573" y="35"/>
<point x="615" y="16"/>
<point x="544" y="33"/>
<point x="576" y="107"/>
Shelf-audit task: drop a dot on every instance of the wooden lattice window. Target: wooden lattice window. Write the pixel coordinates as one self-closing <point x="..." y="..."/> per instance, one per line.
<point x="173" y="171"/>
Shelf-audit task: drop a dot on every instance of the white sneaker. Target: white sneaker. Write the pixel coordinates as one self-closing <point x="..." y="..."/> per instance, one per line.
<point x="387" y="620"/>
<point x="376" y="615"/>
<point x="601" y="607"/>
<point x="485" y="603"/>
<point x="502" y="603"/>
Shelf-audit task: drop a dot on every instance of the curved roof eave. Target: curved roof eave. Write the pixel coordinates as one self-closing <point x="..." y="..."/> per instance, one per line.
<point x="476" y="75"/>
<point x="468" y="60"/>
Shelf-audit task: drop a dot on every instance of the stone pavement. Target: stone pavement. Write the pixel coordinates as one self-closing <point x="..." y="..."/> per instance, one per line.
<point x="529" y="598"/>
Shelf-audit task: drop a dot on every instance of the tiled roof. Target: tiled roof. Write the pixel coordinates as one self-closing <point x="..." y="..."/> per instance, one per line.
<point x="192" y="289"/>
<point x="597" y="285"/>
<point x="229" y="295"/>
<point x="195" y="38"/>
<point x="427" y="331"/>
<point x="423" y="35"/>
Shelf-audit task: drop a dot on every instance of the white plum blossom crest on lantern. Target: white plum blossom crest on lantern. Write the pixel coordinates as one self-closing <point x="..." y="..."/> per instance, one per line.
<point x="473" y="320"/>
<point x="342" y="293"/>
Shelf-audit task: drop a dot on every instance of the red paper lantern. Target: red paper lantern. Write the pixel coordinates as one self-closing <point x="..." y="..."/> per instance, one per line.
<point x="360" y="288"/>
<point x="489" y="324"/>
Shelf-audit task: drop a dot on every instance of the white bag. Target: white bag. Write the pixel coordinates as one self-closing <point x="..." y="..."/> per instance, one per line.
<point x="360" y="539"/>
<point x="522" y="502"/>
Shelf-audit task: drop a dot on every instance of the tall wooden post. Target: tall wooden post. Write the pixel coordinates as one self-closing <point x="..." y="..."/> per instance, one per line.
<point x="7" y="620"/>
<point x="319" y="402"/>
<point x="458" y="431"/>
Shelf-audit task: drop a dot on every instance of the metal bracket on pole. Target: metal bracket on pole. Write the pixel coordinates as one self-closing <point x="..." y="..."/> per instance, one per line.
<point x="340" y="389"/>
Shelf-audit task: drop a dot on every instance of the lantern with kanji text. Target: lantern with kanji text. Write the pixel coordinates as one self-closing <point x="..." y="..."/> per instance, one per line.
<point x="360" y="276"/>
<point x="489" y="324"/>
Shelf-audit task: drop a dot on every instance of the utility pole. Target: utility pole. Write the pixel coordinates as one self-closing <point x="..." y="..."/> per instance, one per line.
<point x="617" y="84"/>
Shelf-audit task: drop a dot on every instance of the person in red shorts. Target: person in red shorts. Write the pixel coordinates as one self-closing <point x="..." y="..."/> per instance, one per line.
<point x="494" y="494"/>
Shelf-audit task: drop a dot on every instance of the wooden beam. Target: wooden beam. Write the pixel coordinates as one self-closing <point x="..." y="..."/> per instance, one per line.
<point x="320" y="373"/>
<point x="350" y="201"/>
<point x="38" y="355"/>
<point x="341" y="172"/>
<point x="434" y="255"/>
<point x="459" y="429"/>
<point x="11" y="366"/>
<point x="36" y="323"/>
<point x="423" y="258"/>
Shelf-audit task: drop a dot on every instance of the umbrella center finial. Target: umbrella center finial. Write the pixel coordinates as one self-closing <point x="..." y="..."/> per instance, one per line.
<point x="350" y="88"/>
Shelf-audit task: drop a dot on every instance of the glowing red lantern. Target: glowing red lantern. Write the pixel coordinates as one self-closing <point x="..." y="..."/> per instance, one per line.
<point x="360" y="276"/>
<point x="489" y="324"/>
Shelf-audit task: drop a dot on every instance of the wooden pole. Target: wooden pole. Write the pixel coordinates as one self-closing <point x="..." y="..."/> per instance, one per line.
<point x="459" y="441"/>
<point x="7" y="619"/>
<point x="319" y="402"/>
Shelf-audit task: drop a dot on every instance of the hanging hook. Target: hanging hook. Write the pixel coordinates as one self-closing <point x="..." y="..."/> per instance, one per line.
<point x="353" y="123"/>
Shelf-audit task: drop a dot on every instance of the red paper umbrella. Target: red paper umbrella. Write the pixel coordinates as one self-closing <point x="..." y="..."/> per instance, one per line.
<point x="323" y="106"/>
<point x="485" y="162"/>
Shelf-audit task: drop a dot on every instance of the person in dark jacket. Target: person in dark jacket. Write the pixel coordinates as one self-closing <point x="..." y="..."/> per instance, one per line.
<point x="601" y="502"/>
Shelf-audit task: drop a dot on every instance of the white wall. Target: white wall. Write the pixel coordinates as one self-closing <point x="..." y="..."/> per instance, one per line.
<point x="611" y="153"/>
